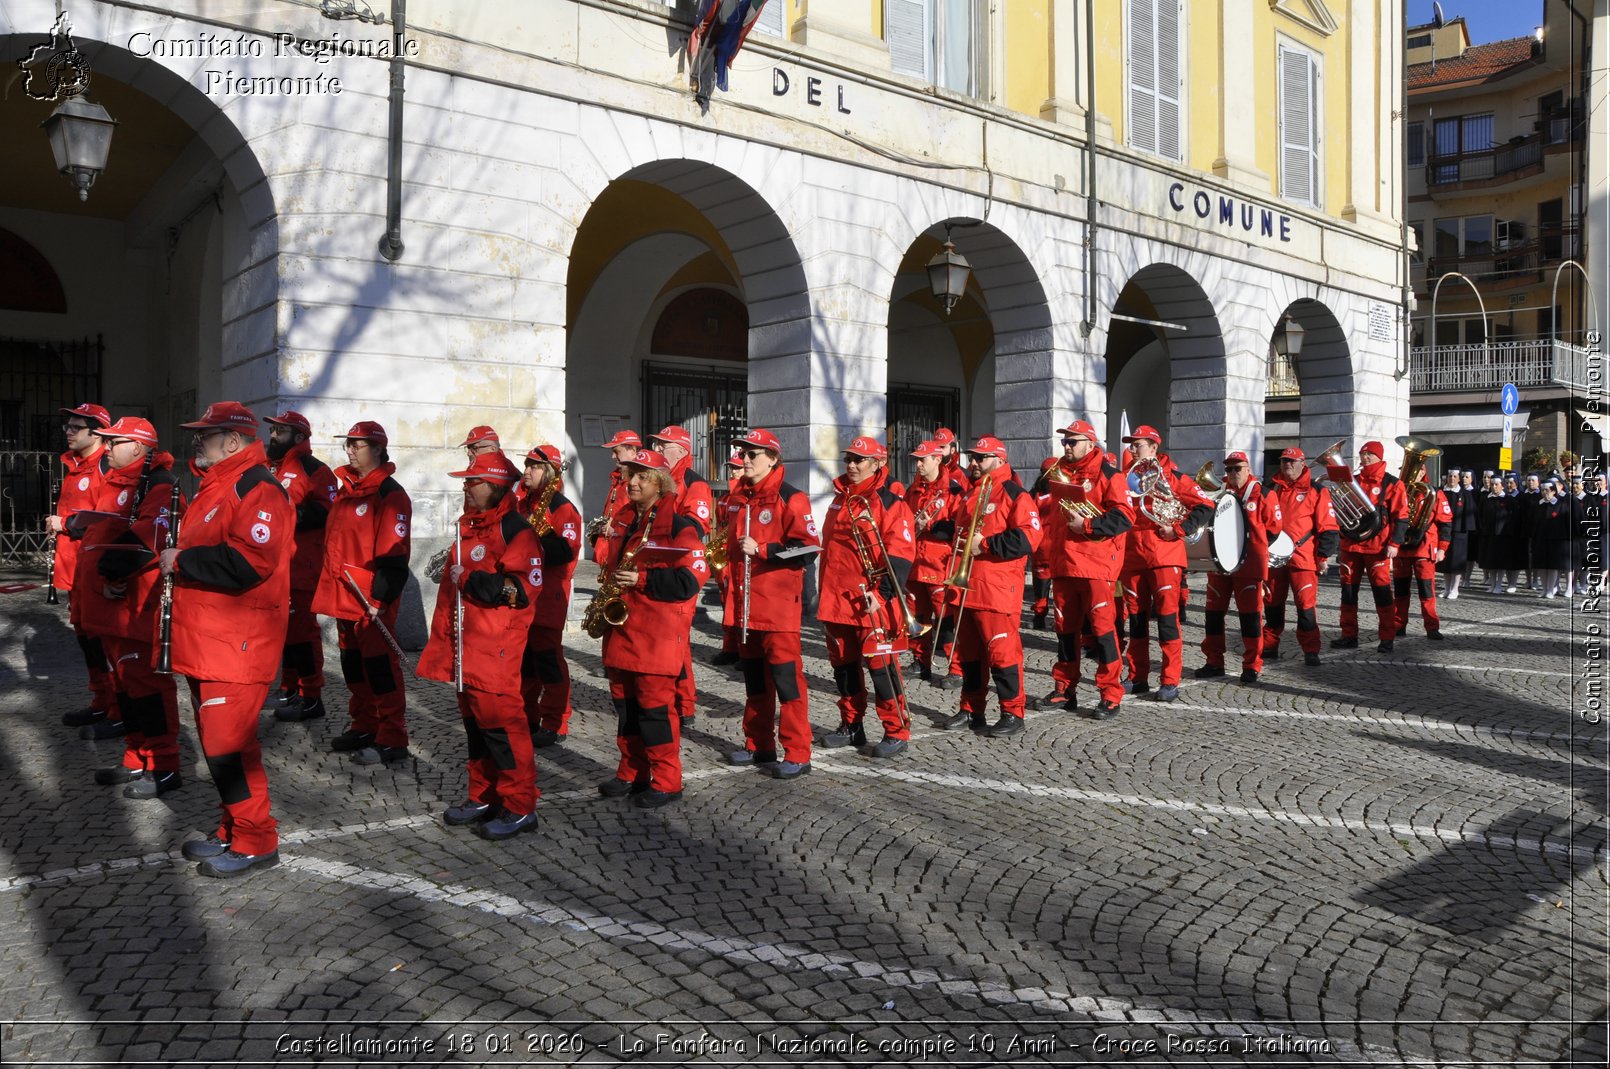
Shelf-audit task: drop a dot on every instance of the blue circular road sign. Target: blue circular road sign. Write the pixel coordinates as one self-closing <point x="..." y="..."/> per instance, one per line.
<point x="1511" y="399"/>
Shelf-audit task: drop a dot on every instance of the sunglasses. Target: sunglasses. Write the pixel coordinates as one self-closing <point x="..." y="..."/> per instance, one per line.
<point x="1070" y="441"/>
<point x="751" y="454"/>
<point x="1235" y="467"/>
<point x="74" y="428"/>
<point x="851" y="458"/>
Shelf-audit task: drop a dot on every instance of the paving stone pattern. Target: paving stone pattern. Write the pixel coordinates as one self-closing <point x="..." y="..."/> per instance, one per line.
<point x="1387" y="858"/>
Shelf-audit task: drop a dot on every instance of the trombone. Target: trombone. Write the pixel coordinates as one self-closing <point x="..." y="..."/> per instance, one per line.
<point x="961" y="576"/>
<point x="875" y="573"/>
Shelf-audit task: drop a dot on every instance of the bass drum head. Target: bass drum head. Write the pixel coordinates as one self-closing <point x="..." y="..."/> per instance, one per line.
<point x="1228" y="534"/>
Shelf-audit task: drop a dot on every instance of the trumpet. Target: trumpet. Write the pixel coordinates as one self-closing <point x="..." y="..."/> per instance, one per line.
<point x="875" y="572"/>
<point x="961" y="576"/>
<point x="1088" y="509"/>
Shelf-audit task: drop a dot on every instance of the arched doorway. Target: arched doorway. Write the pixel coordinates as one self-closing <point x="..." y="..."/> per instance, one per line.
<point x="1310" y="398"/>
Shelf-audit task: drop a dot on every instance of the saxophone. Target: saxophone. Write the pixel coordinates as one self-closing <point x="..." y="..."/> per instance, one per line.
<point x="540" y="521"/>
<point x="715" y="552"/>
<point x="608" y="608"/>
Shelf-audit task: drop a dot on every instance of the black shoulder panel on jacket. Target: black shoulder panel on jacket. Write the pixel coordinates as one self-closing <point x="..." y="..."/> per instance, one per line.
<point x="558" y="501"/>
<point x="512" y="525"/>
<point x="787" y="490"/>
<point x="887" y="496"/>
<point x="163" y="477"/>
<point x="680" y="523"/>
<point x="1109" y="470"/>
<point x="310" y="464"/>
<point x="390" y="486"/>
<point x="254" y="477"/>
<point x="1013" y="490"/>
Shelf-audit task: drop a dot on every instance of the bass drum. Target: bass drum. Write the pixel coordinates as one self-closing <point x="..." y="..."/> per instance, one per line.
<point x="1223" y="545"/>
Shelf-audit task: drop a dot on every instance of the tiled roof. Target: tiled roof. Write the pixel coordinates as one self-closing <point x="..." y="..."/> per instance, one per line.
<point x="1479" y="63"/>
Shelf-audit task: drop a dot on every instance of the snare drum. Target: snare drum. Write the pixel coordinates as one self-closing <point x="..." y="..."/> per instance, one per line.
<point x="1224" y="543"/>
<point x="1280" y="550"/>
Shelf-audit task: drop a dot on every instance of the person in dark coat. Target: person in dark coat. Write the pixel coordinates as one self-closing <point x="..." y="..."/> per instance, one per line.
<point x="1551" y="551"/>
<point x="1497" y="538"/>
<point x="1579" y="502"/>
<point x="1526" y="514"/>
<point x="1462" y="503"/>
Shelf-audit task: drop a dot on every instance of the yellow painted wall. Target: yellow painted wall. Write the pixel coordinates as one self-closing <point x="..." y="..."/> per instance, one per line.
<point x="1028" y="55"/>
<point x="1337" y="142"/>
<point x="1203" y="69"/>
<point x="1109" y="41"/>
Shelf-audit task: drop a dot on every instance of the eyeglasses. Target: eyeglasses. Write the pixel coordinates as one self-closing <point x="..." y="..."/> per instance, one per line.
<point x="851" y="458"/>
<point x="1235" y="467"/>
<point x="202" y="436"/>
<point x="74" y="428"/>
<point x="118" y="441"/>
<point x="751" y="454"/>
<point x="1291" y="460"/>
<point x="356" y="443"/>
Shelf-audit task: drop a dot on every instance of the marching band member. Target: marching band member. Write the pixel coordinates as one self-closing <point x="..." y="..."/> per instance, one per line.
<point x="657" y="566"/>
<point x="1154" y="569"/>
<point x="929" y="498"/>
<point x="951" y="456"/>
<point x="367" y="542"/>
<point x="693" y="500"/>
<point x="1309" y="520"/>
<point x="1417" y="559"/>
<point x="544" y="672"/>
<point x="117" y="583"/>
<point x="231" y="605"/>
<point x="480" y="440"/>
<point x="1086" y="557"/>
<point x="765" y="516"/>
<point x="311" y="486"/>
<point x="478" y="637"/>
<point x="858" y="587"/>
<point x="728" y="653"/>
<point x="1246" y="583"/>
<point x="84" y="462"/>
<point x="1372" y="558"/>
<point x="1040" y="561"/>
<point x="623" y="446"/>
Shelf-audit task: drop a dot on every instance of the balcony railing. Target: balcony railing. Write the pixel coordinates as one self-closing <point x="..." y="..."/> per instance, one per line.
<point x="1448" y="368"/>
<point x="1500" y="161"/>
<point x="1519" y="262"/>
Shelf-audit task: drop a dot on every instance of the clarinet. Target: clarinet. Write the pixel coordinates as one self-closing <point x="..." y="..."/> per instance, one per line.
<point x="164" y="662"/>
<point x="458" y="614"/>
<point x="50" y="584"/>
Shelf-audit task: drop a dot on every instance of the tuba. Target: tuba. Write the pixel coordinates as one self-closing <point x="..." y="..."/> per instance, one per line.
<point x="1356" y="514"/>
<point x="1421" y="494"/>
<point x="608" y="608"/>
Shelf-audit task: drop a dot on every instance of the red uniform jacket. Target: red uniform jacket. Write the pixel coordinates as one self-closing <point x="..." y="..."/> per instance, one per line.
<point x="560" y="549"/>
<point x="79" y="486"/>
<point x="693" y="498"/>
<point x="311" y="486"/>
<point x="134" y="614"/>
<point x="1145" y="547"/>
<point x="654" y="639"/>
<point x="1097" y="550"/>
<point x="952" y="468"/>
<point x="932" y="563"/>
<point x="1388" y="495"/>
<point x="1306" y="515"/>
<point x="779" y="518"/>
<point x="615" y="505"/>
<point x="367" y="534"/>
<point x="503" y="562"/>
<point x="843" y="574"/>
<point x="1010" y="525"/>
<point x="231" y="597"/>
<point x="1437" y="531"/>
<point x="1263" y="523"/>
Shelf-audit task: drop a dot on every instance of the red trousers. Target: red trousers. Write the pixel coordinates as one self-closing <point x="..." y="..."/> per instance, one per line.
<point x="686" y="693"/>
<point x="502" y="769"/>
<point x="545" y="680"/>
<point x="1085" y="608"/>
<point x="1303" y="584"/>
<point x="993" y="640"/>
<point x="102" y="680"/>
<point x="374" y="676"/>
<point x="1423" y="570"/>
<point x="1247" y="590"/>
<point x="776" y="702"/>
<point x="1377" y="569"/>
<point x="226" y="721"/>
<point x="150" y="704"/>
<point x="648" y="734"/>
<point x="941" y="620"/>
<point x="302" y="666"/>
<point x="844" y="645"/>
<point x="1154" y="593"/>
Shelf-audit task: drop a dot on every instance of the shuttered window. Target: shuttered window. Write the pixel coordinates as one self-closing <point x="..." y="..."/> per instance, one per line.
<point x="909" y="32"/>
<point x="1299" y="125"/>
<point x="1155" y="85"/>
<point x="771" y="18"/>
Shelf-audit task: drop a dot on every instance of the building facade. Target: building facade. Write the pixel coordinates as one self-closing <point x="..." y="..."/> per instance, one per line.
<point x="1153" y="197"/>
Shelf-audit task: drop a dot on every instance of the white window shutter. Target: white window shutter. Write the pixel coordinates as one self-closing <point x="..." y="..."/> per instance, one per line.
<point x="1142" y="57"/>
<point x="1298" y="129"/>
<point x="771" y="18"/>
<point x="908" y="31"/>
<point x="1168" y="78"/>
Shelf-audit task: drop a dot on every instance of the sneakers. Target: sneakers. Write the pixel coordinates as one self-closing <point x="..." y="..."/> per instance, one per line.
<point x="1104" y="710"/>
<point x="466" y="812"/>
<point x="1272" y="654"/>
<point x="506" y="825"/>
<point x="615" y="787"/>
<point x="154" y="785"/>
<point x="752" y="757"/>
<point x="1434" y="636"/>
<point x="230" y="864"/>
<point x="656" y="799"/>
<point x="947" y="682"/>
<point x="1133" y="687"/>
<point x="284" y="697"/>
<point x="79" y="717"/>
<point x="110" y="777"/>
<point x="890" y="748"/>
<point x="790" y="769"/>
<point x="298" y="709"/>
<point x="1167" y="693"/>
<point x="1209" y="671"/>
<point x="102" y="729"/>
<point x="1346" y="643"/>
<point x="374" y="755"/>
<point x="545" y="737"/>
<point x="1249" y="676"/>
<point x="722" y="658"/>
<point x="1005" y="727"/>
<point x="1311" y="660"/>
<point x="1054" y="701"/>
<point x="846" y="735"/>
<point x="964" y="719"/>
<point x="925" y="673"/>
<point x="350" y="740"/>
<point x="200" y="849"/>
<point x="1384" y="647"/>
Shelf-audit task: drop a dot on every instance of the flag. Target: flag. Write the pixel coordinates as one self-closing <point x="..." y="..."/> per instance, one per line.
<point x="719" y="31"/>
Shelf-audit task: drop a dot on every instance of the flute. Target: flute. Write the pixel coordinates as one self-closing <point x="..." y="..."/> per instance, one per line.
<point x="50" y="584"/>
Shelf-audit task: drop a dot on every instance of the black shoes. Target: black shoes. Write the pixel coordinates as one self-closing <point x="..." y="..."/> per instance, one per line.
<point x="846" y="735"/>
<point x="1007" y="726"/>
<point x="1385" y="647"/>
<point x="782" y="770"/>
<point x="751" y="757"/>
<point x="656" y="799"/>
<point x="506" y="825"/>
<point x="947" y="682"/>
<point x="890" y="748"/>
<point x="1434" y="636"/>
<point x="1402" y="631"/>
<point x="1039" y="621"/>
<point x="110" y="777"/>
<point x="1311" y="660"/>
<point x="722" y="658"/>
<point x="298" y="709"/>
<point x="201" y="849"/>
<point x="230" y="864"/>
<point x="1167" y="693"/>
<point x="1209" y="671"/>
<point x="1054" y="701"/>
<point x="466" y="812"/>
<point x="351" y="740"/>
<point x="154" y="785"/>
<point x="1106" y="710"/>
<point x="620" y="788"/>
<point x="963" y="719"/>
<point x="374" y="755"/>
<point x="1344" y="643"/>
<point x="80" y="717"/>
<point x="1248" y="676"/>
<point x="1134" y="687"/>
<point x="542" y="738"/>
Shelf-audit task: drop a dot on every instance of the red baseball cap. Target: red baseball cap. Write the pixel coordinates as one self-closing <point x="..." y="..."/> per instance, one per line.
<point x="929" y="448"/>
<point x="494" y="467"/>
<point x="131" y="427"/>
<point x="862" y="446"/>
<point x="90" y="411"/>
<point x="624" y="438"/>
<point x="1373" y="447"/>
<point x="226" y="415"/>
<point x="1144" y="433"/>
<point x="479" y="434"/>
<point x="944" y="436"/>
<point x="1291" y="452"/>
<point x="989" y="445"/>
<point x="761" y="438"/>
<point x="736" y="460"/>
<point x="1237" y="458"/>
<point x="1080" y="429"/>
<point x="648" y="458"/>
<point x="290" y="418"/>
<point x="547" y="454"/>
<point x="368" y="430"/>
<point x="674" y="435"/>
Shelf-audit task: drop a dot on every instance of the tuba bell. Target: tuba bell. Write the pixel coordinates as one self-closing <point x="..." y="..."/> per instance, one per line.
<point x="1356" y="514"/>
<point x="1421" y="494"/>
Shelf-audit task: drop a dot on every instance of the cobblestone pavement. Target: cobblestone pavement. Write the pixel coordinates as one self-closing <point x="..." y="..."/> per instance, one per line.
<point x="1386" y="858"/>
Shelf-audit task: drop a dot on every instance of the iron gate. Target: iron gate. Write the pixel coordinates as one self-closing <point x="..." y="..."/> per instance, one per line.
<point x="712" y="404"/>
<point x="915" y="412"/>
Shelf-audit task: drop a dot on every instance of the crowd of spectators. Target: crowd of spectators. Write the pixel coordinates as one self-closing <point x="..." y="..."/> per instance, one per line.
<point x="1538" y="532"/>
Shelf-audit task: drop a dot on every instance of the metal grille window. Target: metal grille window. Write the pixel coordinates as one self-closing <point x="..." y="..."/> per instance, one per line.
<point x="712" y="404"/>
<point x="915" y="412"/>
<point x="37" y="380"/>
<point x="1300" y="106"/>
<point x="1156" y="86"/>
<point x="1416" y="146"/>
